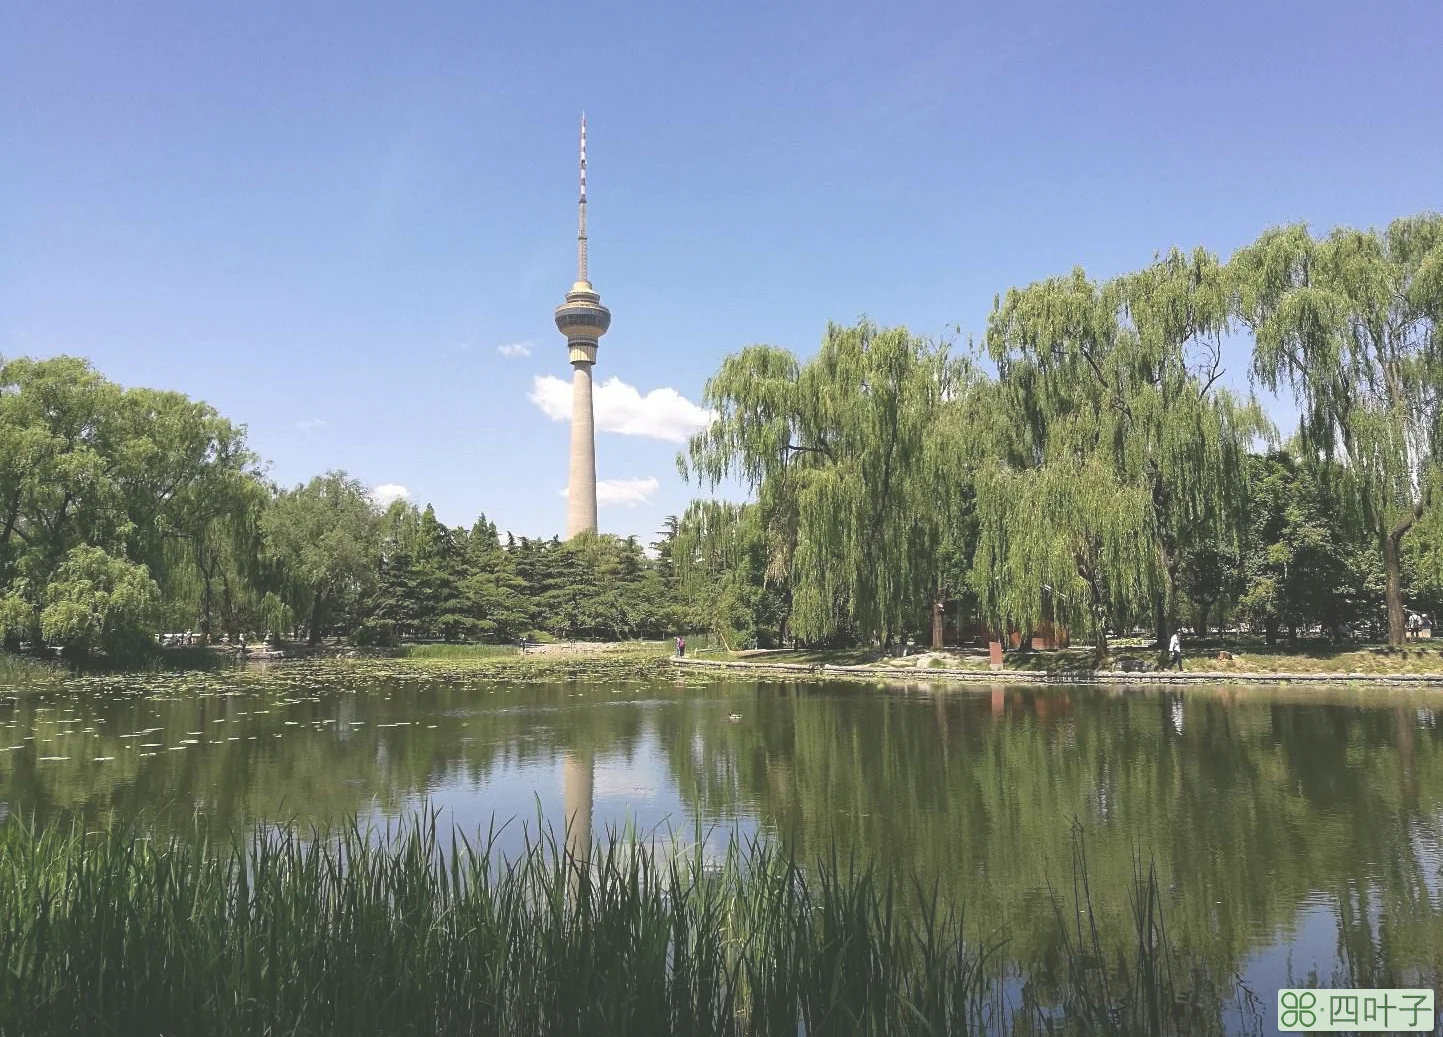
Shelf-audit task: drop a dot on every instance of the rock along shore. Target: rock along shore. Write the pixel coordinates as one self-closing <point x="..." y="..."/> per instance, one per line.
<point x="981" y="676"/>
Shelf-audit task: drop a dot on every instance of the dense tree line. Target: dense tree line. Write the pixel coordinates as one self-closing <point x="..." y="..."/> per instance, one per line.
<point x="1083" y="465"/>
<point x="127" y="512"/>
<point x="1104" y="478"/>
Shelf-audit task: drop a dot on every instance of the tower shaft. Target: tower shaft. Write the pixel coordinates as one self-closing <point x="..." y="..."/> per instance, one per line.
<point x="581" y="484"/>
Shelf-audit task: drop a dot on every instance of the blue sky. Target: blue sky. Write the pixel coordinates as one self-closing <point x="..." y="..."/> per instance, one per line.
<point x="326" y="218"/>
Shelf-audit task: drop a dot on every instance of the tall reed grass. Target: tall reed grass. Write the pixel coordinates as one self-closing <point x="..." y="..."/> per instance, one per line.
<point x="355" y="932"/>
<point x="23" y="669"/>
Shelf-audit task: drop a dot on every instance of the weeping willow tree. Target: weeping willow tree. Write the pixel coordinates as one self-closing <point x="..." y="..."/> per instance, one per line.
<point x="839" y="453"/>
<point x="1116" y="434"/>
<point x="1351" y="323"/>
<point x="949" y="468"/>
<point x="1063" y="542"/>
<point x="720" y="557"/>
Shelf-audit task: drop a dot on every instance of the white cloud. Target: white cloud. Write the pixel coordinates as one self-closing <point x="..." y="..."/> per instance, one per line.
<point x="389" y="492"/>
<point x="553" y="396"/>
<point x="627" y="493"/>
<point x="660" y="414"/>
<point x="310" y="424"/>
<point x="512" y="349"/>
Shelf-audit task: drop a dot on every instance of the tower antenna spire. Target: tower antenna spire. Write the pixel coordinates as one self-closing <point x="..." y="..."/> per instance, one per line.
<point x="581" y="272"/>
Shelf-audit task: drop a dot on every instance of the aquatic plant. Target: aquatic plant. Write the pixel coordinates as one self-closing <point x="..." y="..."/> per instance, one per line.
<point x="23" y="669"/>
<point x="355" y="931"/>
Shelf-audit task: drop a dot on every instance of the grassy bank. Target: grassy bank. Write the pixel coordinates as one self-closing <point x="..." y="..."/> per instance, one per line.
<point x="1244" y="657"/>
<point x="561" y="661"/>
<point x="594" y="663"/>
<point x="315" y="933"/>
<point x="460" y="653"/>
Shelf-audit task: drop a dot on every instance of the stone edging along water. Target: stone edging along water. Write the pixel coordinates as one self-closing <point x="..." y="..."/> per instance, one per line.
<point x="1062" y="676"/>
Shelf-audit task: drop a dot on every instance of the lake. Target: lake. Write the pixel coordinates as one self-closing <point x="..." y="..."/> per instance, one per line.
<point x="1297" y="833"/>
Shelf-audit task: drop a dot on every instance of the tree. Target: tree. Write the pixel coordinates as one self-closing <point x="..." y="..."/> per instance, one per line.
<point x="1423" y="565"/>
<point x="1210" y="575"/>
<point x="1117" y="383"/>
<point x="1064" y="542"/>
<point x="228" y="575"/>
<point x="492" y="588"/>
<point x="1302" y="560"/>
<point x="56" y="418"/>
<point x="97" y="602"/>
<point x="326" y="535"/>
<point x="951" y="462"/>
<point x="437" y="571"/>
<point x="837" y="451"/>
<point x="135" y="473"/>
<point x="720" y="555"/>
<point x="1350" y="323"/>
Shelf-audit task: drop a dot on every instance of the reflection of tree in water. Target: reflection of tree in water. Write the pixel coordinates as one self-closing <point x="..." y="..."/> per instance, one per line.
<point x="1247" y="806"/>
<point x="342" y="753"/>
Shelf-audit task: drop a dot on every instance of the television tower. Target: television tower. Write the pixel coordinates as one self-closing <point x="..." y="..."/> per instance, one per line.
<point x="583" y="320"/>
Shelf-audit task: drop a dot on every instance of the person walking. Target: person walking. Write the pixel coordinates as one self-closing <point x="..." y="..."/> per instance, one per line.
<point x="1174" y="651"/>
<point x="678" y="646"/>
<point x="682" y="652"/>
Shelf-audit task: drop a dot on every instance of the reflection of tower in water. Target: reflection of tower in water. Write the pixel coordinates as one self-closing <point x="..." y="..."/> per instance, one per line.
<point x="345" y="716"/>
<point x="576" y="797"/>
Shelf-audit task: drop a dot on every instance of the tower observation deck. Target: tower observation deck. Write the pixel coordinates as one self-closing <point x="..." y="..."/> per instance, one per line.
<point x="583" y="320"/>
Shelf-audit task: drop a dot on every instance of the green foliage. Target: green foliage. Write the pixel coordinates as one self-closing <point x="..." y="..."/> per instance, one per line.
<point x="428" y="582"/>
<point x="1108" y="400"/>
<point x="1063" y="542"/>
<point x="1209" y="580"/>
<point x="592" y="586"/>
<point x="17" y="616"/>
<point x="17" y="670"/>
<point x="127" y="512"/>
<point x="1351" y="323"/>
<point x="96" y="601"/>
<point x="1303" y="563"/>
<point x="720" y="553"/>
<point x="455" y="584"/>
<point x="104" y="494"/>
<point x="852" y="495"/>
<point x="1102" y="479"/>
<point x="325" y="536"/>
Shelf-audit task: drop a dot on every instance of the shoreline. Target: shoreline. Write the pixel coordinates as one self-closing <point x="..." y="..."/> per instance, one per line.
<point x="907" y="674"/>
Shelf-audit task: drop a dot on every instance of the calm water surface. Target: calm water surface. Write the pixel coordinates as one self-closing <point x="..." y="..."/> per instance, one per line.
<point x="1298" y="833"/>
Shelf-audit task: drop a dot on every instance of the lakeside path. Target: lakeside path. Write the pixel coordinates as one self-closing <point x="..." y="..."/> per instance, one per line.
<point x="980" y="676"/>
